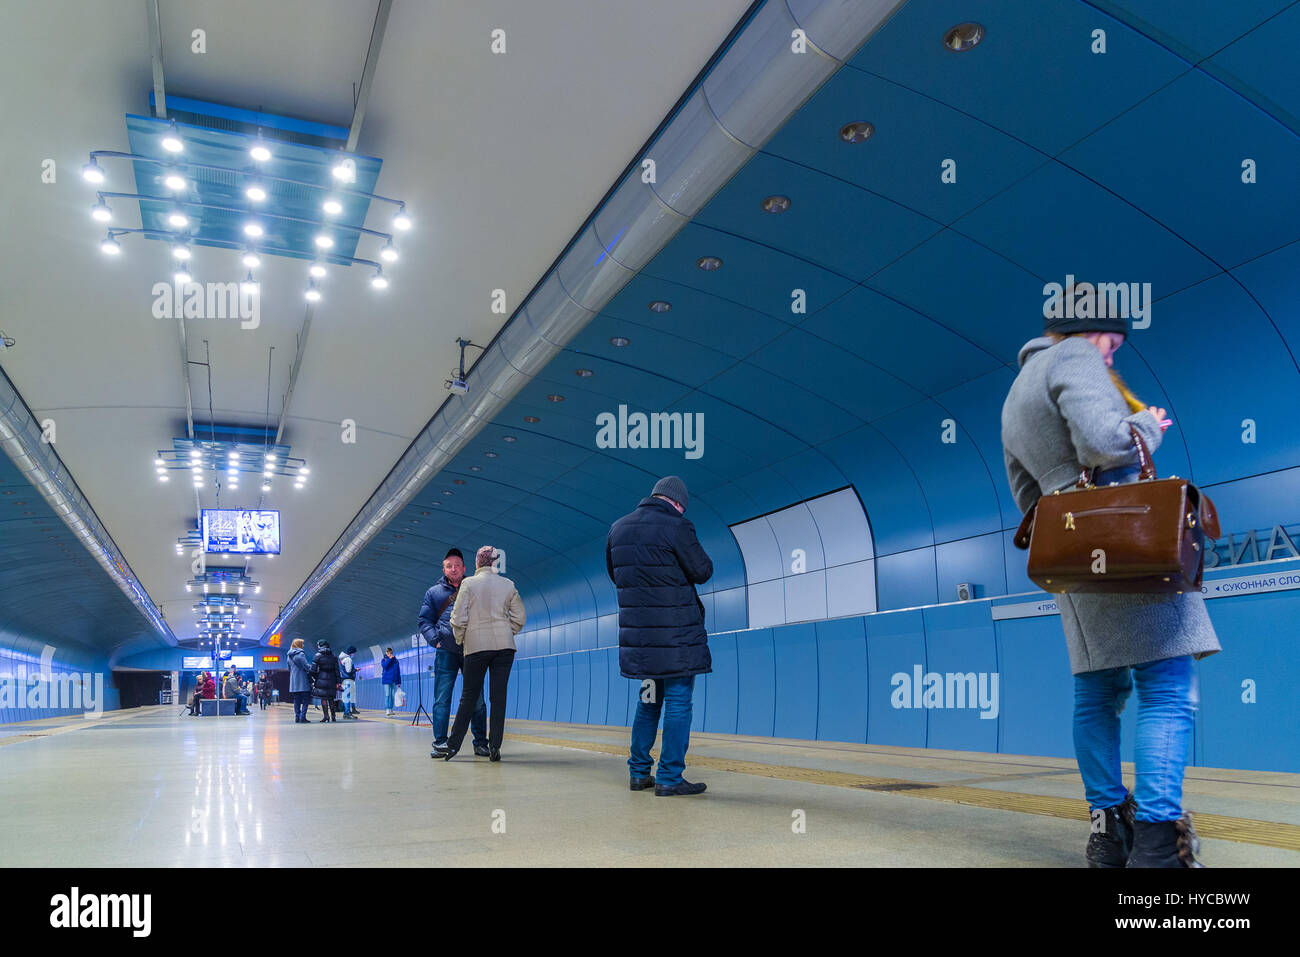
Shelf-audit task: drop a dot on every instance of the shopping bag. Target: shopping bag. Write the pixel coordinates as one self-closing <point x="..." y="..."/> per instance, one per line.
<point x="399" y="698"/>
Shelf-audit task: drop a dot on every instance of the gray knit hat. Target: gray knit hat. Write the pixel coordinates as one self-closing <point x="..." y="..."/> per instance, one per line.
<point x="1062" y="313"/>
<point x="674" y="488"/>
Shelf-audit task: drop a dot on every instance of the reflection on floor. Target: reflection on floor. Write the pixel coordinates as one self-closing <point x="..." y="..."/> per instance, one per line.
<point x="145" y="787"/>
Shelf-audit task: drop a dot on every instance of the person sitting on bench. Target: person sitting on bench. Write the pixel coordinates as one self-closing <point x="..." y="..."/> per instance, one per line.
<point x="205" y="687"/>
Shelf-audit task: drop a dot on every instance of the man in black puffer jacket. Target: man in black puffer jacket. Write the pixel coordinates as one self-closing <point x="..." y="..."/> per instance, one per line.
<point x="655" y="561"/>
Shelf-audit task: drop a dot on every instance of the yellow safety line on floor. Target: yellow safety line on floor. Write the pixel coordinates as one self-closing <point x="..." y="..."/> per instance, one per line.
<point x="75" y="723"/>
<point x="1218" y="826"/>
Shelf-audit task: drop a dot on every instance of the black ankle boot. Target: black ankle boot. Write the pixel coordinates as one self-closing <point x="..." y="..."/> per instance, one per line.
<point x="1165" y="844"/>
<point x="1111" y="840"/>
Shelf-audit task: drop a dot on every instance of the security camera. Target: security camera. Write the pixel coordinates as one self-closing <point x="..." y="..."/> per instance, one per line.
<point x="457" y="386"/>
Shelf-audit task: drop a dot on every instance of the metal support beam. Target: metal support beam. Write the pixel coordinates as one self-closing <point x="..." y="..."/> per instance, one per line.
<point x="367" y="73"/>
<point x="155" y="54"/>
<point x="293" y="371"/>
<point x="185" y="376"/>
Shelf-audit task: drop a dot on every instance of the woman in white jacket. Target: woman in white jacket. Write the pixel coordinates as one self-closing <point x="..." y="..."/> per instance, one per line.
<point x="487" y="615"/>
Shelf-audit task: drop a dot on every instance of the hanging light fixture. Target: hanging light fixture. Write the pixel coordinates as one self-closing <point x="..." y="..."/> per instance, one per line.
<point x="171" y="140"/>
<point x="92" y="172"/>
<point x="101" y="212"/>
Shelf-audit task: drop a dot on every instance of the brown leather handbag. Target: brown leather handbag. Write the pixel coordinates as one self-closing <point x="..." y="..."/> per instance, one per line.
<point x="1146" y="536"/>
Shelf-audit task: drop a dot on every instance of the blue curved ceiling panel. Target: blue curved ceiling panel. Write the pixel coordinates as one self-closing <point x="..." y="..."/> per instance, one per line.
<point x="919" y="294"/>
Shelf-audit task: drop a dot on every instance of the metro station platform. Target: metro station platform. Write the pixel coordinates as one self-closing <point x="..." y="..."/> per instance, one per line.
<point x="143" y="787"/>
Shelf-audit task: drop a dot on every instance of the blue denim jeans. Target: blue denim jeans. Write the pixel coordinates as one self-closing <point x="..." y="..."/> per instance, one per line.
<point x="1167" y="699"/>
<point x="446" y="666"/>
<point x="672" y="696"/>
<point x="389" y="691"/>
<point x="301" y="702"/>
<point x="349" y="696"/>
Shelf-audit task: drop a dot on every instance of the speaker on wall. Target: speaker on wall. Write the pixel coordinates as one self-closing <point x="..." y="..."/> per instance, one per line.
<point x="965" y="591"/>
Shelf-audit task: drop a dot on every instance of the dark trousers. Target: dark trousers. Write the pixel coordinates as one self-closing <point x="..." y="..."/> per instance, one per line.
<point x="301" y="699"/>
<point x="476" y="667"/>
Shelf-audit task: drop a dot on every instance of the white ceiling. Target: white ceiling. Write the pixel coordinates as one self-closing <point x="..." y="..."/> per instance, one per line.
<point x="500" y="159"/>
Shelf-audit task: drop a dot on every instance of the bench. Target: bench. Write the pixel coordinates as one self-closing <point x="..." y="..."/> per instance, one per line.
<point x="209" y="706"/>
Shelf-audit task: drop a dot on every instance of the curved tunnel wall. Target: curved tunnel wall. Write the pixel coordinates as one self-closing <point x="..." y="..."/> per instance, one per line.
<point x="917" y="295"/>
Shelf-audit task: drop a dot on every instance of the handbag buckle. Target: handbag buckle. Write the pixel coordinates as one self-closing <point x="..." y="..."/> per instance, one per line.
<point x="1069" y="521"/>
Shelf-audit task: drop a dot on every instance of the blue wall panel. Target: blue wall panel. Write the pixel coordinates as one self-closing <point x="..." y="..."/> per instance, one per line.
<point x="581" y="688"/>
<point x="564" y="688"/>
<point x="906" y="580"/>
<point x="598" y="700"/>
<point x="720" y="716"/>
<point x="1037" y="688"/>
<point x="1231" y="732"/>
<point x="756" y="688"/>
<point x="959" y="640"/>
<point x="895" y="643"/>
<point x="842" y="680"/>
<point x="550" y="686"/>
<point x="795" y="648"/>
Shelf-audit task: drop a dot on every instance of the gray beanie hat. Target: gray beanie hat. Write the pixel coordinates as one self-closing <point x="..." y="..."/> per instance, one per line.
<point x="674" y="488"/>
<point x="1062" y="313"/>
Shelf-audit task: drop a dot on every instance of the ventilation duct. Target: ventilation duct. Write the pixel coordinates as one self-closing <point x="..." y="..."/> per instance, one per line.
<point x="750" y="91"/>
<point x="40" y="465"/>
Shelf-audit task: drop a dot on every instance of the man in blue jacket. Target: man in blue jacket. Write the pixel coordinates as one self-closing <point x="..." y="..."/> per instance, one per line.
<point x="655" y="561"/>
<point x="435" y="625"/>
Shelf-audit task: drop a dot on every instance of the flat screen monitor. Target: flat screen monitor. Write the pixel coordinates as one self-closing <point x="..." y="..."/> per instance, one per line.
<point x="241" y="531"/>
<point x="194" y="664"/>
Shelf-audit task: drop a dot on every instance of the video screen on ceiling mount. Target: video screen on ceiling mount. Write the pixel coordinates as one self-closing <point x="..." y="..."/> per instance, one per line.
<point x="243" y="531"/>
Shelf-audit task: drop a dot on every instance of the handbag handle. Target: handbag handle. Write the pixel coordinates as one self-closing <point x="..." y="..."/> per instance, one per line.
<point x="1146" y="468"/>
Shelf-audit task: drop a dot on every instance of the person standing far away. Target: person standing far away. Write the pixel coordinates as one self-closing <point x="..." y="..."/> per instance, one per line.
<point x="435" y="625"/>
<point x="325" y="678"/>
<point x="348" y="675"/>
<point x="299" y="681"/>
<point x="655" y="561"/>
<point x="391" y="680"/>
<point x="487" y="615"/>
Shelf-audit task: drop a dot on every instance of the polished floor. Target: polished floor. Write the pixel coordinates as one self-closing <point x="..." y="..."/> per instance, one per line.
<point x="145" y="787"/>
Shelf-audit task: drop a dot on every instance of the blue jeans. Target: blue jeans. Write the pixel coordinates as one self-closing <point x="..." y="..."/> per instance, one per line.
<point x="1167" y="700"/>
<point x="673" y="696"/>
<point x="389" y="691"/>
<point x="241" y="703"/>
<point x="301" y="702"/>
<point x="446" y="665"/>
<point x="349" y="696"/>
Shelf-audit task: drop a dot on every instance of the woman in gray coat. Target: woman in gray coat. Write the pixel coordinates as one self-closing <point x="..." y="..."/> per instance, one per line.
<point x="1065" y="412"/>
<point x="299" y="681"/>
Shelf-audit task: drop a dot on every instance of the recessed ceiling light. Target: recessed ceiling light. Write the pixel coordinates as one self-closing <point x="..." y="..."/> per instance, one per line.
<point x="582" y="373"/>
<point x="709" y="263"/>
<point x="490" y="455"/>
<point x="252" y="229"/>
<point x="531" y="419"/>
<point x="256" y="192"/>
<point x="776" y="204"/>
<point x="620" y="341"/>
<point x="448" y="491"/>
<point x="324" y="242"/>
<point x="174" y="181"/>
<point x="510" y="438"/>
<point x="963" y="36"/>
<point x="332" y="206"/>
<point x="660" y="306"/>
<point x="177" y="219"/>
<point x="476" y="468"/>
<point x="856" y="132"/>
